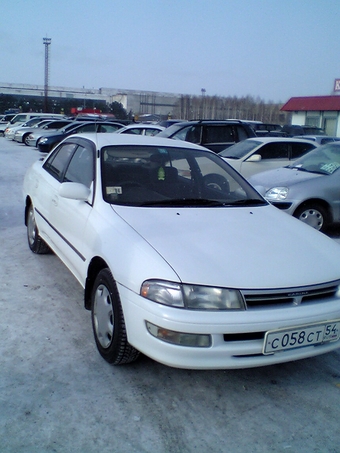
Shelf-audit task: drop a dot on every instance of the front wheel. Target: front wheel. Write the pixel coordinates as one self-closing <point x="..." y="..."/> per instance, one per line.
<point x="25" y="139"/>
<point x="36" y="244"/>
<point x="314" y="215"/>
<point x="108" y="321"/>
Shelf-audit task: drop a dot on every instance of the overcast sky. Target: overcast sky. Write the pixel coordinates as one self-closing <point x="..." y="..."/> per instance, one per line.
<point x="272" y="49"/>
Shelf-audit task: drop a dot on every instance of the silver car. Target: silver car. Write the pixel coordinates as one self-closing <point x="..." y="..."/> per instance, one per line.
<point x="259" y="154"/>
<point x="309" y="189"/>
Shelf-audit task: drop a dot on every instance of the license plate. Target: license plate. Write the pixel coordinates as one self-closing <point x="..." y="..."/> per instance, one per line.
<point x="300" y="336"/>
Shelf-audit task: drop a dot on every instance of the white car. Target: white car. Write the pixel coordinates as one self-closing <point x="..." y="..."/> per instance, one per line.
<point x="141" y="129"/>
<point x="180" y="258"/>
<point x="255" y="155"/>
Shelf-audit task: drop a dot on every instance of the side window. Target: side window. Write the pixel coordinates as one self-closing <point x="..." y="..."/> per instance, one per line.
<point x="55" y="165"/>
<point x="134" y="131"/>
<point x="299" y="149"/>
<point x="108" y="128"/>
<point x="274" y="151"/>
<point x="86" y="128"/>
<point x="218" y="134"/>
<point x="241" y="132"/>
<point x="184" y="133"/>
<point x="151" y="132"/>
<point x="80" y="168"/>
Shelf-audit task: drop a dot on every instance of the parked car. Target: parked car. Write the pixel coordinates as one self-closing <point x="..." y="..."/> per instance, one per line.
<point x="320" y="139"/>
<point x="11" y="130"/>
<point x="214" y="135"/>
<point x="141" y="129"/>
<point x="268" y="130"/>
<point x="21" y="134"/>
<point x="4" y="122"/>
<point x="258" y="154"/>
<point x="293" y="129"/>
<point x="169" y="122"/>
<point x="45" y="142"/>
<point x="180" y="258"/>
<point x="309" y="189"/>
<point x="24" y="117"/>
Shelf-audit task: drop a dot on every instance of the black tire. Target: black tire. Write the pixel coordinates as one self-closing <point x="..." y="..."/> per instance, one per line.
<point x="35" y="243"/>
<point x="314" y="215"/>
<point x="108" y="321"/>
<point x="25" y="139"/>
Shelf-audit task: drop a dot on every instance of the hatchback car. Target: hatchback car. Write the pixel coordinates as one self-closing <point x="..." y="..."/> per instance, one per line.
<point x="308" y="189"/>
<point x="179" y="256"/>
<point x="212" y="134"/>
<point x="255" y="155"/>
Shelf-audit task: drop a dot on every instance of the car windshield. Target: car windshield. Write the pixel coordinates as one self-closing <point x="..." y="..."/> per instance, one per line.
<point x="172" y="177"/>
<point x="324" y="160"/>
<point x="240" y="149"/>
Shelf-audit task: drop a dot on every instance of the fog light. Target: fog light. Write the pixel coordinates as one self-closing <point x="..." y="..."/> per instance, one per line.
<point x="179" y="338"/>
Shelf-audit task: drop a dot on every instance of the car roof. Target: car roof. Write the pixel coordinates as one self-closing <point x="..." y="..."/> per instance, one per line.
<point x="111" y="138"/>
<point x="279" y="139"/>
<point x="143" y="126"/>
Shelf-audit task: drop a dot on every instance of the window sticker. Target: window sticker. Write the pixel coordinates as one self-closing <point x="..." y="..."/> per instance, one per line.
<point x="116" y="190"/>
<point x="330" y="167"/>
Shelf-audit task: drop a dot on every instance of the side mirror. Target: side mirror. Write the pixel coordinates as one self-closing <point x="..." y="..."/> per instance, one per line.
<point x="74" y="191"/>
<point x="254" y="158"/>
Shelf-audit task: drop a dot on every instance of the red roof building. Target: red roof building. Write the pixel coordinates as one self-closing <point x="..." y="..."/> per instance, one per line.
<point x="320" y="111"/>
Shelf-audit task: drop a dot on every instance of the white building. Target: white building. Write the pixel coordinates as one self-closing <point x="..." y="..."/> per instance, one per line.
<point x="320" y="111"/>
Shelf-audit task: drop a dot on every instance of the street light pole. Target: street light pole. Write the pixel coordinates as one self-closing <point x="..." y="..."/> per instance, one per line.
<point x="47" y="42"/>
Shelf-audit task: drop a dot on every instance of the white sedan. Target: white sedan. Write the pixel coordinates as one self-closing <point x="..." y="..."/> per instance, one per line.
<point x="141" y="129"/>
<point x="180" y="258"/>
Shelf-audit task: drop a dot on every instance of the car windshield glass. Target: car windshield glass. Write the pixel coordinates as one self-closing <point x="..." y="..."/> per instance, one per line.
<point x="240" y="149"/>
<point x="171" y="177"/>
<point x="324" y="160"/>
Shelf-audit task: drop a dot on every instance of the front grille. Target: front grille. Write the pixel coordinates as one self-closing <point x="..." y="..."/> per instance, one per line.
<point x="291" y="296"/>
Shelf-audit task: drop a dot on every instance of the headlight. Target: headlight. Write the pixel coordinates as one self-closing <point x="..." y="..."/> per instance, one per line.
<point x="194" y="297"/>
<point x="42" y="141"/>
<point x="277" y="193"/>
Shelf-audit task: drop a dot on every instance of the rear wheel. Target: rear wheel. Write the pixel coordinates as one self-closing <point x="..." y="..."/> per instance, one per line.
<point x="36" y="244"/>
<point x="108" y="321"/>
<point x="314" y="215"/>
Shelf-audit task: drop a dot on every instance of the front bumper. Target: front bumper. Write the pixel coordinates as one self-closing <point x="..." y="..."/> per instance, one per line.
<point x="231" y="344"/>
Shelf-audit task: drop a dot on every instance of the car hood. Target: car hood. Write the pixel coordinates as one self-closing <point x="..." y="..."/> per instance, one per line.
<point x="258" y="247"/>
<point x="280" y="177"/>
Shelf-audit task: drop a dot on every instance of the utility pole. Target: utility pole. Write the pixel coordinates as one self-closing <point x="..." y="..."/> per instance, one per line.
<point x="47" y="42"/>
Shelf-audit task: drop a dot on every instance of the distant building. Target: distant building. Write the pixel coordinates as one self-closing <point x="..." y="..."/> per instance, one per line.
<point x="320" y="111"/>
<point x="139" y="102"/>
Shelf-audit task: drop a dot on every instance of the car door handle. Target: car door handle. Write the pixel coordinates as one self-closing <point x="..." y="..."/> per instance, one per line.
<point x="55" y="201"/>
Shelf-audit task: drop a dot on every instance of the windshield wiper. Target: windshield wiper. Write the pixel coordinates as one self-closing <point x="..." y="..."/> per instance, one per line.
<point x="178" y="202"/>
<point x="246" y="202"/>
<point x="319" y="172"/>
